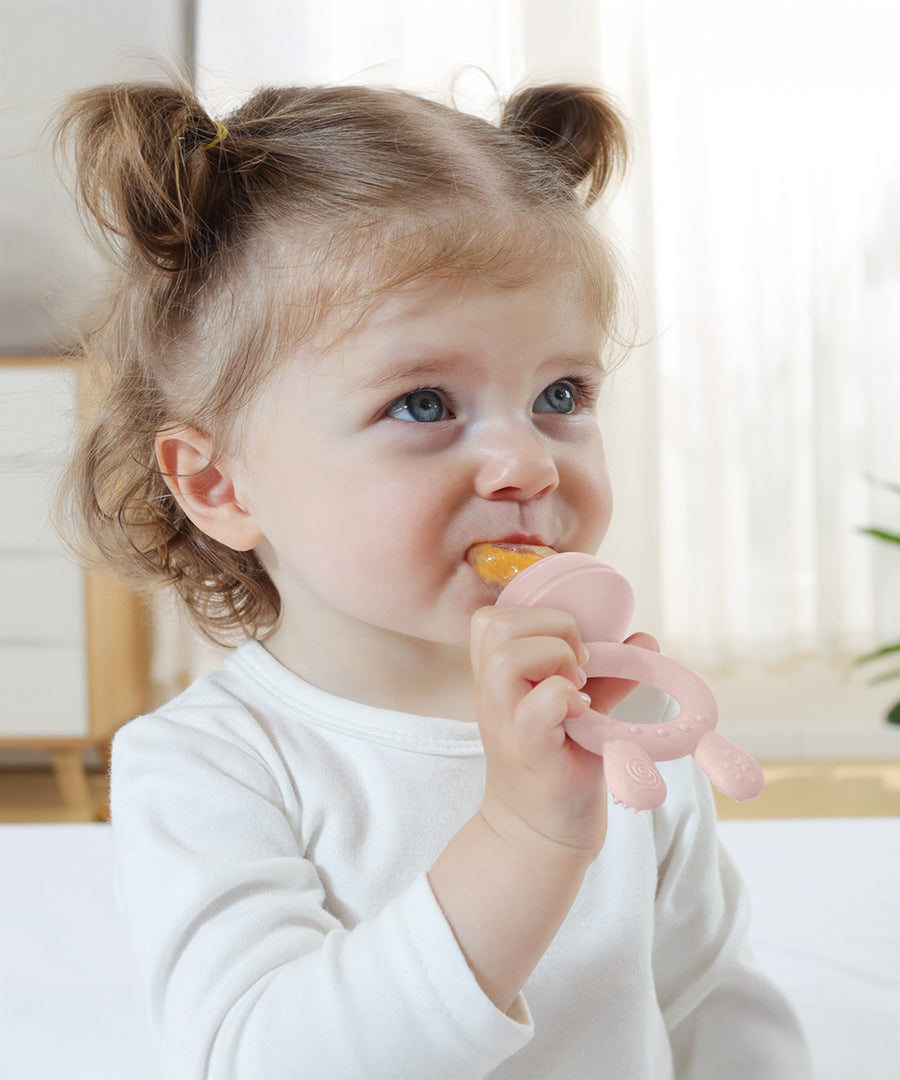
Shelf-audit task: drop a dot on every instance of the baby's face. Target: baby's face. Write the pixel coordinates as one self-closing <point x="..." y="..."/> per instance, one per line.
<point x="457" y="412"/>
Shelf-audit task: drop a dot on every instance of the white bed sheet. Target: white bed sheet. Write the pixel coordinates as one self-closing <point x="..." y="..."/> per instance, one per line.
<point x="826" y="925"/>
<point x="70" y="1004"/>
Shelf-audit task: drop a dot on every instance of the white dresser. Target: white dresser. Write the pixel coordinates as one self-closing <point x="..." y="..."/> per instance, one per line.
<point x="72" y="645"/>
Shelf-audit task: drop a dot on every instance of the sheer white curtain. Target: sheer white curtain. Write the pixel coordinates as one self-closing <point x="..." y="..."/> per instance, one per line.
<point x="421" y="46"/>
<point x="767" y="226"/>
<point x="763" y="219"/>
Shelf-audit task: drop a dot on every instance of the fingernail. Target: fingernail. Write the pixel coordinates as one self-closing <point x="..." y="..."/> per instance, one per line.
<point x="581" y="678"/>
<point x="586" y="698"/>
<point x="584" y="655"/>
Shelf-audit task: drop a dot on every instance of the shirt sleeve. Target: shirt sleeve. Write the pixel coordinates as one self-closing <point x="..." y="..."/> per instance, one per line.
<point x="725" y="1017"/>
<point x="247" y="972"/>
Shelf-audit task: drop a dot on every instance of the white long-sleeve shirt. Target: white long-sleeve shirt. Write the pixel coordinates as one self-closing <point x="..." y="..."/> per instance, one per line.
<point x="272" y="843"/>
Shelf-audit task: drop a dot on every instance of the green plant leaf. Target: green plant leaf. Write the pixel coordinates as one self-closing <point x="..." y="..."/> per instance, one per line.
<point x="893" y="717"/>
<point x="887" y="650"/>
<point x="885" y="676"/>
<point x="882" y="534"/>
<point x="886" y="484"/>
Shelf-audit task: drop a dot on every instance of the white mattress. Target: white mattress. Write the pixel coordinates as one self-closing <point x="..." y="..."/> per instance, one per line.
<point x="826" y="925"/>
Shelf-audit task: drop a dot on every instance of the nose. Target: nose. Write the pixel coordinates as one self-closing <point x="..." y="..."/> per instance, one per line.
<point x="515" y="463"/>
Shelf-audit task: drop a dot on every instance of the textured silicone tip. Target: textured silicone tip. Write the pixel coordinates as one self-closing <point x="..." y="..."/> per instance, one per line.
<point x="498" y="564"/>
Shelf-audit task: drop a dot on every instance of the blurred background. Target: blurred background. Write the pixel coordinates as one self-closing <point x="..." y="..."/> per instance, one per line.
<point x="752" y="435"/>
<point x="752" y="438"/>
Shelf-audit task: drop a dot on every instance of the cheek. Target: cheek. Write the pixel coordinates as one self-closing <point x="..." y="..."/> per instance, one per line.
<point x="389" y="527"/>
<point x="389" y="573"/>
<point x="595" y="499"/>
<point x="605" y="515"/>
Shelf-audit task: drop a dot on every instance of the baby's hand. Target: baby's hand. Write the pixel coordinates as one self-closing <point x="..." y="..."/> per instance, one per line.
<point x="508" y="878"/>
<point x="542" y="788"/>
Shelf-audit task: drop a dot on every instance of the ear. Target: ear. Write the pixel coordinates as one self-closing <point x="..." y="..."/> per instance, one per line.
<point x="205" y="490"/>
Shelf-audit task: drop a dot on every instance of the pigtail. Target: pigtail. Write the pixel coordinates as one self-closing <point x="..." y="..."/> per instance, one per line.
<point x="578" y="126"/>
<point x="151" y="172"/>
<point x="159" y="186"/>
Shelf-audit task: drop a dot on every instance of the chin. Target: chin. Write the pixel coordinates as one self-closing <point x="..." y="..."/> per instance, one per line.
<point x="453" y="633"/>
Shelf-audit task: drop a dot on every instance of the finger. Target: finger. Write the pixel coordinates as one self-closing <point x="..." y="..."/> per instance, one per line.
<point x="493" y="628"/>
<point x="540" y="715"/>
<point x="643" y="641"/>
<point x="514" y="668"/>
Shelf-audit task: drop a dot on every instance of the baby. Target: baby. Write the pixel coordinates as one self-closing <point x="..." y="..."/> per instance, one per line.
<point x="356" y="334"/>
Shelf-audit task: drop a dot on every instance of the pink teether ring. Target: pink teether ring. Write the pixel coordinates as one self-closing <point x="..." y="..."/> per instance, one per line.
<point x="602" y="602"/>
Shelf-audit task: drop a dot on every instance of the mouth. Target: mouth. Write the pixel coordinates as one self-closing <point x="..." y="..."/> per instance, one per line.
<point x="515" y="540"/>
<point x="497" y="562"/>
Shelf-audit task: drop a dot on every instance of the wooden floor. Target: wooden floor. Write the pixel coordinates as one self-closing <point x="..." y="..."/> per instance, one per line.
<point x="793" y="789"/>
<point x="822" y="789"/>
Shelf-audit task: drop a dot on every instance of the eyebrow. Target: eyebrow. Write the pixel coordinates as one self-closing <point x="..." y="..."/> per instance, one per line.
<point x="440" y="366"/>
<point x="410" y="372"/>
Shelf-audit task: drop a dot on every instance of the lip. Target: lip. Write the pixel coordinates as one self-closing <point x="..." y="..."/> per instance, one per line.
<point x="512" y="540"/>
<point x="529" y="539"/>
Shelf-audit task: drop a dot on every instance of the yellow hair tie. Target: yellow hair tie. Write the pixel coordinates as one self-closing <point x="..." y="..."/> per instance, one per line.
<point x="220" y="136"/>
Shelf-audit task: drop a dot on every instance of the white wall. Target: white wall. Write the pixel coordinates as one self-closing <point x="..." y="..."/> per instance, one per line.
<point x="49" y="48"/>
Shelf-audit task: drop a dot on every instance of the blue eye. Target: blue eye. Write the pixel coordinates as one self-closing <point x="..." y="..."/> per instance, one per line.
<point x="559" y="397"/>
<point x="420" y="407"/>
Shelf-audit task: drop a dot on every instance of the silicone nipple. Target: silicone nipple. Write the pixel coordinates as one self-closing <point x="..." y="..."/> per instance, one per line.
<point x="498" y="564"/>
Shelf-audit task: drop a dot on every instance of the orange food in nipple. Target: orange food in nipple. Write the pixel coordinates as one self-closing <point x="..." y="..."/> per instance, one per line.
<point x="498" y="564"/>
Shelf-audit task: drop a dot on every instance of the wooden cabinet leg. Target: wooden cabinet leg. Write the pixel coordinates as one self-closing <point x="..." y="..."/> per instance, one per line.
<point x="72" y="781"/>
